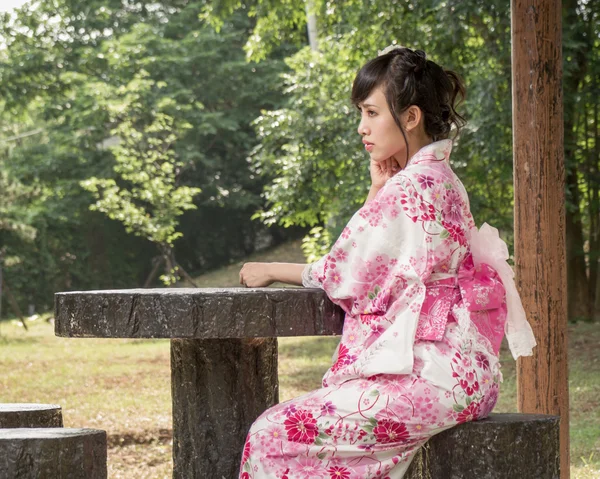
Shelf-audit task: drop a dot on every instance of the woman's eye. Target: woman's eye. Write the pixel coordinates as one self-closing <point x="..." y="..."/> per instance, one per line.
<point x="371" y="113"/>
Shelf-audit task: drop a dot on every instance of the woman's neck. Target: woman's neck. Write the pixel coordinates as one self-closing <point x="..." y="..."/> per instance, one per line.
<point x="414" y="145"/>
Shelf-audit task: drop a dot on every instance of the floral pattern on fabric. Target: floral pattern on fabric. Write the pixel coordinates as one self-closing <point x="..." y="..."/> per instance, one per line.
<point x="413" y="360"/>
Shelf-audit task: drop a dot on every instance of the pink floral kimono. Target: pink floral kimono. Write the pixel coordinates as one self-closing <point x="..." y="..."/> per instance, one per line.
<point x="419" y="349"/>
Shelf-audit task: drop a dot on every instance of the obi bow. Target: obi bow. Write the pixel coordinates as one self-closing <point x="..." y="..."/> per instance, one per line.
<point x="476" y="288"/>
<point x="483" y="284"/>
<point x="488" y="248"/>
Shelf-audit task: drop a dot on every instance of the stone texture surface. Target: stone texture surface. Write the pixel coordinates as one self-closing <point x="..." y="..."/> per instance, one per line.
<point x="15" y="415"/>
<point x="522" y="446"/>
<point x="219" y="387"/>
<point x="52" y="453"/>
<point x="197" y="313"/>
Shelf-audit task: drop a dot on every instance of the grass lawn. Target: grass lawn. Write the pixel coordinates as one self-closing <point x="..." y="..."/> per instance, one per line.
<point x="123" y="386"/>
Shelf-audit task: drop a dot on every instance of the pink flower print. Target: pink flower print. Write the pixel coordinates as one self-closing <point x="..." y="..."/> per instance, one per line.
<point x="486" y="379"/>
<point x="470" y="413"/>
<point x="427" y="212"/>
<point x="380" y="302"/>
<point x="410" y="201"/>
<point x="392" y="388"/>
<point x="456" y="232"/>
<point x="381" y="270"/>
<point x="301" y="427"/>
<point x="246" y="453"/>
<point x="469" y="383"/>
<point x="438" y="193"/>
<point x="289" y="410"/>
<point x="346" y="233"/>
<point x="337" y="472"/>
<point x="388" y="431"/>
<point x="418" y="428"/>
<point x="342" y="353"/>
<point x="488" y="402"/>
<point x="376" y="331"/>
<point x="367" y="318"/>
<point x="425" y="181"/>
<point x="452" y="206"/>
<point x="307" y="468"/>
<point x="334" y="276"/>
<point x="466" y="362"/>
<point x="275" y="432"/>
<point x="340" y="255"/>
<point x="372" y="213"/>
<point x="482" y="361"/>
<point x="328" y="408"/>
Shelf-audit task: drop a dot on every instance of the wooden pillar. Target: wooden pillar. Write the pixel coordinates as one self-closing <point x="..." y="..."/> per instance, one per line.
<point x="540" y="254"/>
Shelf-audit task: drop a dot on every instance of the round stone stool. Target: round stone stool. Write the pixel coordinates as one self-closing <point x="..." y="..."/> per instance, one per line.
<point x="53" y="453"/>
<point x="13" y="415"/>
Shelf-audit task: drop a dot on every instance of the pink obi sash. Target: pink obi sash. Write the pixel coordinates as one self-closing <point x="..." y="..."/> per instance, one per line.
<point x="478" y="288"/>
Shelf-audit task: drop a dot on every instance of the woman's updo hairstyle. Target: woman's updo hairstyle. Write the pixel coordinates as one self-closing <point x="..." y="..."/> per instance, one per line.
<point x="408" y="78"/>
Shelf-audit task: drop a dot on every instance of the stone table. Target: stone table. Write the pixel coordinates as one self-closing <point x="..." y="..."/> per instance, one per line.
<point x="223" y="355"/>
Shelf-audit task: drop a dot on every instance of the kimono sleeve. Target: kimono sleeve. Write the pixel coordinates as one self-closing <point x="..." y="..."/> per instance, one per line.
<point x="312" y="274"/>
<point x="376" y="270"/>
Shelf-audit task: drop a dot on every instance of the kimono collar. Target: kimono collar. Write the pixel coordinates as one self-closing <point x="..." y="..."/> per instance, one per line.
<point x="436" y="151"/>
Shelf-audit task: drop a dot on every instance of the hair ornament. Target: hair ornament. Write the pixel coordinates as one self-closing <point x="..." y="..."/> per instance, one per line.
<point x="389" y="49"/>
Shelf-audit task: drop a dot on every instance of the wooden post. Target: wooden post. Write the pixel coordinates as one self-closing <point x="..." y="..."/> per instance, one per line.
<point x="540" y="253"/>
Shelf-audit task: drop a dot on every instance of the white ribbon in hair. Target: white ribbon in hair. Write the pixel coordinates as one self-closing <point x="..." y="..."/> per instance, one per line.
<point x="388" y="49"/>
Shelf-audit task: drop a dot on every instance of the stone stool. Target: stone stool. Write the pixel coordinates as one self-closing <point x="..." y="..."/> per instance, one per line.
<point x="502" y="446"/>
<point x="14" y="415"/>
<point x="52" y="453"/>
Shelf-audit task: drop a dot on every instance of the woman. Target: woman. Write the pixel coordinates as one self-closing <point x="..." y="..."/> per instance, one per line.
<point x="423" y="291"/>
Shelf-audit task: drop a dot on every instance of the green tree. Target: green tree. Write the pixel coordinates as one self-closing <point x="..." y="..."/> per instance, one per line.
<point x="149" y="201"/>
<point x="65" y="67"/>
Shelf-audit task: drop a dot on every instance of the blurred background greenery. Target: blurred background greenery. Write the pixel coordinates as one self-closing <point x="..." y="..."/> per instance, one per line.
<point x="143" y="139"/>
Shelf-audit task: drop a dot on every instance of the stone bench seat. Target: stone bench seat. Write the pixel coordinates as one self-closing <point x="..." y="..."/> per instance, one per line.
<point x="15" y="415"/>
<point x="502" y="446"/>
<point x="52" y="453"/>
<point x="224" y="375"/>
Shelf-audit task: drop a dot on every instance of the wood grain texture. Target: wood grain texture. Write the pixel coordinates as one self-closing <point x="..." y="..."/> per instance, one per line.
<point x="540" y="251"/>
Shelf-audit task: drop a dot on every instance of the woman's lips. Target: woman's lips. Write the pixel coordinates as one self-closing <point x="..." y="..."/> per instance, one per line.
<point x="369" y="146"/>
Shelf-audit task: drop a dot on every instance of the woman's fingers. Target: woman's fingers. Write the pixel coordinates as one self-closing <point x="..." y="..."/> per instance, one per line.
<point x="242" y="280"/>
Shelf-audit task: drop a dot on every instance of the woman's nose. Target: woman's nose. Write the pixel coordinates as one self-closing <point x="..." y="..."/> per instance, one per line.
<point x="362" y="128"/>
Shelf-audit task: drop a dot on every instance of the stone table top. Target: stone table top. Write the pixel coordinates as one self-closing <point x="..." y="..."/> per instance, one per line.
<point x="196" y="313"/>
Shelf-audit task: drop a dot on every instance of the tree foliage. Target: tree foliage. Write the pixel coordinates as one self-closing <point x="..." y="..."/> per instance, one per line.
<point x="79" y="73"/>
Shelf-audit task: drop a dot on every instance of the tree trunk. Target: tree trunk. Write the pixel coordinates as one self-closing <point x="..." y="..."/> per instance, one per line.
<point x="579" y="301"/>
<point x="578" y="286"/>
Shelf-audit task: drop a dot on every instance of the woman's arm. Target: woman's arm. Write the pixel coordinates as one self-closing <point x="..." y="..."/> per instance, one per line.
<point x="259" y="275"/>
<point x="372" y="193"/>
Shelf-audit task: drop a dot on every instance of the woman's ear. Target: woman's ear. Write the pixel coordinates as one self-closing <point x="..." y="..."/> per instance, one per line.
<point x="413" y="118"/>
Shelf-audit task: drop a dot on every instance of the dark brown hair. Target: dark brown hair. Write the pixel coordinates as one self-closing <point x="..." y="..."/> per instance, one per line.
<point x="408" y="78"/>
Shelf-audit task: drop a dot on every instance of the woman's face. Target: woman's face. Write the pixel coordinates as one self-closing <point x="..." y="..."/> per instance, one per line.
<point x="381" y="136"/>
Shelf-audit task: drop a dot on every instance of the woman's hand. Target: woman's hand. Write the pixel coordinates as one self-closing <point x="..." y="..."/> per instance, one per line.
<point x="381" y="171"/>
<point x="256" y="275"/>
